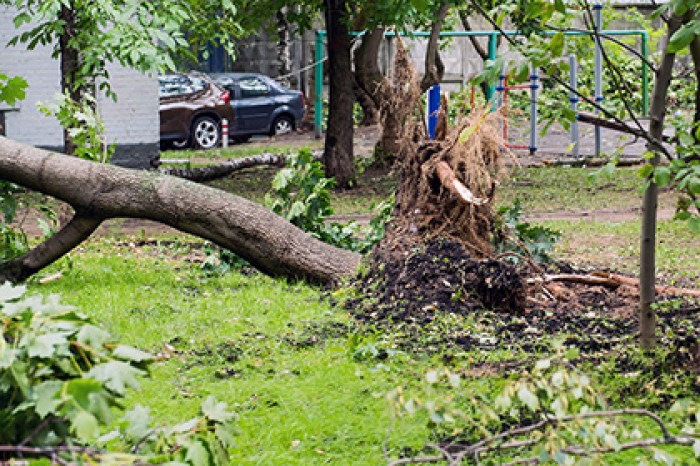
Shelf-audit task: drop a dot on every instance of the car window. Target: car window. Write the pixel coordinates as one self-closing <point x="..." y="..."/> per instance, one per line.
<point x="253" y="87"/>
<point x="178" y="84"/>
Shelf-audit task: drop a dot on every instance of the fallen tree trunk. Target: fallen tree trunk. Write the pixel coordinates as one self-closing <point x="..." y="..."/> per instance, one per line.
<point x="98" y="192"/>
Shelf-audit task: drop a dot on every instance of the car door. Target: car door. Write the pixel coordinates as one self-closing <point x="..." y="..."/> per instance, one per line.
<point x="254" y="104"/>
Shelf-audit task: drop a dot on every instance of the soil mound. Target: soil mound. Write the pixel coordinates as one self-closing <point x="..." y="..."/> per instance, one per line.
<point x="438" y="297"/>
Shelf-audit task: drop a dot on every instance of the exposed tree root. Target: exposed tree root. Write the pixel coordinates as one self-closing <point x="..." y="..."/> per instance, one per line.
<point x="613" y="280"/>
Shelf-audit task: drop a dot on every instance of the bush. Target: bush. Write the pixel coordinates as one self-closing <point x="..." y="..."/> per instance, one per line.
<point x="62" y="380"/>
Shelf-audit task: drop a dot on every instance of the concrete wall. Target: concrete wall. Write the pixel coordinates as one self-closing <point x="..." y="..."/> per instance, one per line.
<point x="132" y="122"/>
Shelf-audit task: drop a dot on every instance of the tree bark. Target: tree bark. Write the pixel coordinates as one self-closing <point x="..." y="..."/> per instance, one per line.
<point x="338" y="158"/>
<point x="70" y="62"/>
<point x="434" y="68"/>
<point x="283" y="54"/>
<point x="268" y="242"/>
<point x="367" y="73"/>
<point x="478" y="47"/>
<point x="647" y="269"/>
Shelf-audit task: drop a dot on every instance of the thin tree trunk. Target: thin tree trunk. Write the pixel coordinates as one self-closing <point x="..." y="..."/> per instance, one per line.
<point x="368" y="77"/>
<point x="480" y="50"/>
<point x="338" y="158"/>
<point x="647" y="270"/>
<point x="434" y="68"/>
<point x="267" y="241"/>
<point x="70" y="62"/>
<point x="283" y="54"/>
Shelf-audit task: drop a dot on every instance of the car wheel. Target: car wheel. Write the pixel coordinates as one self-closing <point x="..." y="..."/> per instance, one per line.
<point x="283" y="124"/>
<point x="205" y="133"/>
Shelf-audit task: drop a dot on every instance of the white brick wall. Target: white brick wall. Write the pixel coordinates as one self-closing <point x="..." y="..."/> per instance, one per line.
<point x="133" y="119"/>
<point x="42" y="74"/>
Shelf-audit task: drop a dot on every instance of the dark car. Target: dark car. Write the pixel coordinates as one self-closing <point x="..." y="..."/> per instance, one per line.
<point x="261" y="105"/>
<point x="191" y="110"/>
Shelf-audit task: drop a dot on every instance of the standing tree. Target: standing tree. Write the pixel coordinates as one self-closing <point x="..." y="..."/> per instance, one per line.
<point x="683" y="168"/>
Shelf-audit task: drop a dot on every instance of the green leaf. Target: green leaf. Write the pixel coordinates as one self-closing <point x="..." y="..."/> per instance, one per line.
<point x="686" y="139"/>
<point x="93" y="336"/>
<point x="645" y="170"/>
<point x="138" y="422"/>
<point x="556" y="44"/>
<point x="9" y="292"/>
<point x="45" y="399"/>
<point x="196" y="454"/>
<point x="216" y="411"/>
<point x="129" y="353"/>
<point x="527" y="397"/>
<point x="662" y="176"/>
<point x="682" y="37"/>
<point x="85" y="426"/>
<point x="116" y="375"/>
<point x="45" y="346"/>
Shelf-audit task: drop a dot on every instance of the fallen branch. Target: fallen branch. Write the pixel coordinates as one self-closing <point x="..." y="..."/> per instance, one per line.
<point x="612" y="280"/>
<point x="450" y="181"/>
<point x="222" y="170"/>
<point x="615" y="126"/>
<point x="491" y="444"/>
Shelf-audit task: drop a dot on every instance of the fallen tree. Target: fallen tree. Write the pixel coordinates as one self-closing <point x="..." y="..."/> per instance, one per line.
<point x="98" y="192"/>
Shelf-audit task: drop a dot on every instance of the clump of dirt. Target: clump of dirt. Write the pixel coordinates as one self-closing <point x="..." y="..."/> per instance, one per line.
<point x="439" y="297"/>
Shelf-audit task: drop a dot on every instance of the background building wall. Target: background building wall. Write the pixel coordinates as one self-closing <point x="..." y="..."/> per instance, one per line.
<point x="132" y="122"/>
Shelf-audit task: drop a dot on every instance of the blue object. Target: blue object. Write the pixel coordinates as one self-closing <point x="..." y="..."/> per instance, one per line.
<point x="433" y="108"/>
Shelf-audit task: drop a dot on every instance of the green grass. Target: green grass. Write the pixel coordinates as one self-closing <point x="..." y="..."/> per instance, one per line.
<point x="615" y="245"/>
<point x="548" y="189"/>
<point x="236" y="151"/>
<point x="243" y="339"/>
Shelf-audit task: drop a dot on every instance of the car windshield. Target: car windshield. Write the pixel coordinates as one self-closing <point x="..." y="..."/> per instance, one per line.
<point x="176" y="84"/>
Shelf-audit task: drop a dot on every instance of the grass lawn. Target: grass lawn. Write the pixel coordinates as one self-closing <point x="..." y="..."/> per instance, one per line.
<point x="308" y="382"/>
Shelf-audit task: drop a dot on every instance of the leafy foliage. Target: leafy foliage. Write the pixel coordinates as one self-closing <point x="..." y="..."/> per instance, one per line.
<point x="62" y="377"/>
<point x="512" y="234"/>
<point x="301" y="194"/>
<point x="553" y="413"/>
<point x="12" y="89"/>
<point x="84" y="125"/>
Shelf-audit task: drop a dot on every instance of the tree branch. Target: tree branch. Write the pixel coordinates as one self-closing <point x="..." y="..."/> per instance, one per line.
<point x="434" y="68"/>
<point x="486" y="445"/>
<point x="65" y="240"/>
<point x="215" y="172"/>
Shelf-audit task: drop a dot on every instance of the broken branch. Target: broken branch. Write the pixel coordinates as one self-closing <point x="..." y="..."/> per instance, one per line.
<point x="452" y="184"/>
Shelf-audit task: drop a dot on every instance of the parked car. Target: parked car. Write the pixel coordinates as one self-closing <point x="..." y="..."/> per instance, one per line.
<point x="191" y="110"/>
<point x="261" y="105"/>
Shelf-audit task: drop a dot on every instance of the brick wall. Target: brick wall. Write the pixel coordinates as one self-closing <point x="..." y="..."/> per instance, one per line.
<point x="132" y="122"/>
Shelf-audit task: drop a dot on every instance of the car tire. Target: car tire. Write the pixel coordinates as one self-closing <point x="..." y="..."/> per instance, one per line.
<point x="206" y="133"/>
<point x="283" y="124"/>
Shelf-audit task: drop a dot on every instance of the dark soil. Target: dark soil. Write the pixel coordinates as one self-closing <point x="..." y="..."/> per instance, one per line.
<point x="440" y="300"/>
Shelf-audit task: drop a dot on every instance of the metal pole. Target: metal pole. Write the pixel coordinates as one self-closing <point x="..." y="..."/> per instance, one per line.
<point x="433" y="109"/>
<point x="645" y="73"/>
<point x="534" y="85"/>
<point x="598" y="72"/>
<point x="493" y="54"/>
<point x="318" y="85"/>
<point x="573" y="99"/>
